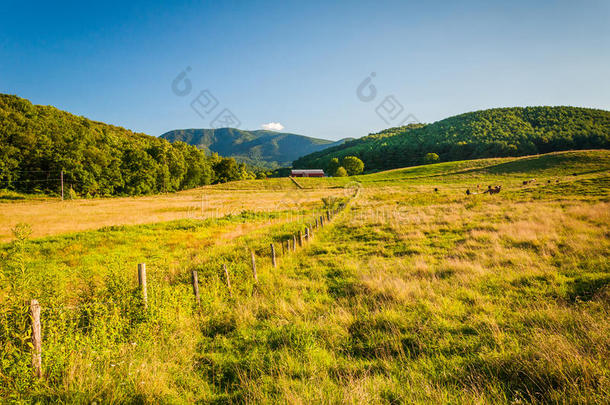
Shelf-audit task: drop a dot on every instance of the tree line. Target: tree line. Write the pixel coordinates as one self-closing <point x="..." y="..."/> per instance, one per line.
<point x="39" y="142"/>
<point x="500" y="132"/>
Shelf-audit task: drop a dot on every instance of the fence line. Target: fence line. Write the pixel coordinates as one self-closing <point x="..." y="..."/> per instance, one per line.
<point x="36" y="308"/>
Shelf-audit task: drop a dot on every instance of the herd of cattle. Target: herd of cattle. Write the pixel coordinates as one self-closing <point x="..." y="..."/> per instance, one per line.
<point x="497" y="189"/>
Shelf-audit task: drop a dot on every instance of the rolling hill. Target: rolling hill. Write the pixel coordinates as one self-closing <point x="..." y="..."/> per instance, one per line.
<point x="499" y="132"/>
<point x="38" y="143"/>
<point x="261" y="148"/>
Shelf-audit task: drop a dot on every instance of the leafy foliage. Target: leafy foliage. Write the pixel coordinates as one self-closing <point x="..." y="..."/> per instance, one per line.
<point x="431" y="158"/>
<point x="38" y="142"/>
<point x="499" y="132"/>
<point x="352" y="165"/>
<point x="333" y="166"/>
<point x="341" y="172"/>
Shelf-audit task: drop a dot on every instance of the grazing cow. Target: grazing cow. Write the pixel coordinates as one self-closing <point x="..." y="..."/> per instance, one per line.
<point x="435" y="189"/>
<point x="467" y="191"/>
<point x="493" y="190"/>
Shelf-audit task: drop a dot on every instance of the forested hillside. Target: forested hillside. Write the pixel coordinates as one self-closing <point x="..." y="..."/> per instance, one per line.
<point x="38" y="142"/>
<point x="498" y="132"/>
<point x="268" y="149"/>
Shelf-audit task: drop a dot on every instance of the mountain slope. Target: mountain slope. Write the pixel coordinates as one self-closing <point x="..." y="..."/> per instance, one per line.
<point x="495" y="132"/>
<point x="260" y="147"/>
<point x="38" y="142"/>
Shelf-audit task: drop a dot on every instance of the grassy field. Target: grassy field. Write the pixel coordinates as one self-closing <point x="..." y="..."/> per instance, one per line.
<point x="410" y="295"/>
<point x="49" y="216"/>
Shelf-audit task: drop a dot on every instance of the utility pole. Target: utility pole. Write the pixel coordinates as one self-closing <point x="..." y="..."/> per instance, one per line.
<point x="62" y="185"/>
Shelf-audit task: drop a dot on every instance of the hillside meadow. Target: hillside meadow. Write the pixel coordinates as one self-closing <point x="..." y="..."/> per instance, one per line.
<point x="414" y="293"/>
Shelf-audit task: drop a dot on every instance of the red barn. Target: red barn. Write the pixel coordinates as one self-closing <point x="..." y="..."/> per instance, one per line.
<point x="307" y="173"/>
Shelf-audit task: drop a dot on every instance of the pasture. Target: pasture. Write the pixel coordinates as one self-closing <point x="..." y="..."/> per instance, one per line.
<point x="415" y="293"/>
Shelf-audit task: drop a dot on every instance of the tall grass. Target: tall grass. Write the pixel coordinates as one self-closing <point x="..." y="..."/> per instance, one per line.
<point x="410" y="296"/>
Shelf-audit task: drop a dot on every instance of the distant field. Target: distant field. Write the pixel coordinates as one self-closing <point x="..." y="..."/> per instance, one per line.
<point x="410" y="295"/>
<point x="48" y="216"/>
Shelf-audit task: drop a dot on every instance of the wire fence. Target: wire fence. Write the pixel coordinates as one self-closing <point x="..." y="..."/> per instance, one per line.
<point x="80" y="315"/>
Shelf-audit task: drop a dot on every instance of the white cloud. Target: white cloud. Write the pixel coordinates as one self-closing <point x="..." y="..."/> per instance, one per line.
<point x="273" y="126"/>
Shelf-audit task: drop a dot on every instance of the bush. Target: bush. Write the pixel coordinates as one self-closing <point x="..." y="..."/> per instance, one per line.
<point x="431" y="158"/>
<point x="341" y="172"/>
<point x="72" y="194"/>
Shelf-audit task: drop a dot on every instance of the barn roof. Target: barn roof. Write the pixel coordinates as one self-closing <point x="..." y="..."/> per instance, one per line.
<point x="307" y="171"/>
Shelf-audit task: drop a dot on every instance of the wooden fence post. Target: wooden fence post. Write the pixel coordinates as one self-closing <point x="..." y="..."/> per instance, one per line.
<point x="142" y="282"/>
<point x="307" y="234"/>
<point x="62" y="185"/>
<point x="316" y="222"/>
<point x="253" y="266"/>
<point x="328" y="215"/>
<point x="300" y="238"/>
<point x="195" y="281"/>
<point x="273" y="256"/>
<point x="228" y="280"/>
<point x="294" y="243"/>
<point x="36" y="339"/>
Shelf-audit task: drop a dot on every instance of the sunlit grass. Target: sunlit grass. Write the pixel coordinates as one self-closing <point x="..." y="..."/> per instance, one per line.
<point x="52" y="217"/>
<point x="410" y="296"/>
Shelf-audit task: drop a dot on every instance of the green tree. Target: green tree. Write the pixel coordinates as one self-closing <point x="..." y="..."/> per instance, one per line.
<point x="333" y="165"/>
<point x="352" y="165"/>
<point x="431" y="158"/>
<point x="227" y="169"/>
<point x="244" y="173"/>
<point x="341" y="172"/>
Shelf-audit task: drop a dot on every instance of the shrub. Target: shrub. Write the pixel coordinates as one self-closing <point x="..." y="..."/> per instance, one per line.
<point x="431" y="158"/>
<point x="341" y="172"/>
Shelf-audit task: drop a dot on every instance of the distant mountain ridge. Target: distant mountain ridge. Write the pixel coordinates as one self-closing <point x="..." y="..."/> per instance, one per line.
<point x="262" y="148"/>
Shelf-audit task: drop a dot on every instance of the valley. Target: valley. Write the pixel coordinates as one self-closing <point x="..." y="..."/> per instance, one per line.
<point x="414" y="292"/>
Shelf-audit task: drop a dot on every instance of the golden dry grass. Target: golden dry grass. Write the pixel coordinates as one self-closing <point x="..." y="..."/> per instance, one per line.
<point x="52" y="217"/>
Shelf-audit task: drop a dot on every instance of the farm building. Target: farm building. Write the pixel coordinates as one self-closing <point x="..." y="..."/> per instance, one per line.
<point x="307" y="173"/>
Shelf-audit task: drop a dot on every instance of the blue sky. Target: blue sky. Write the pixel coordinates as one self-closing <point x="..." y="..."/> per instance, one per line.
<point x="300" y="63"/>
